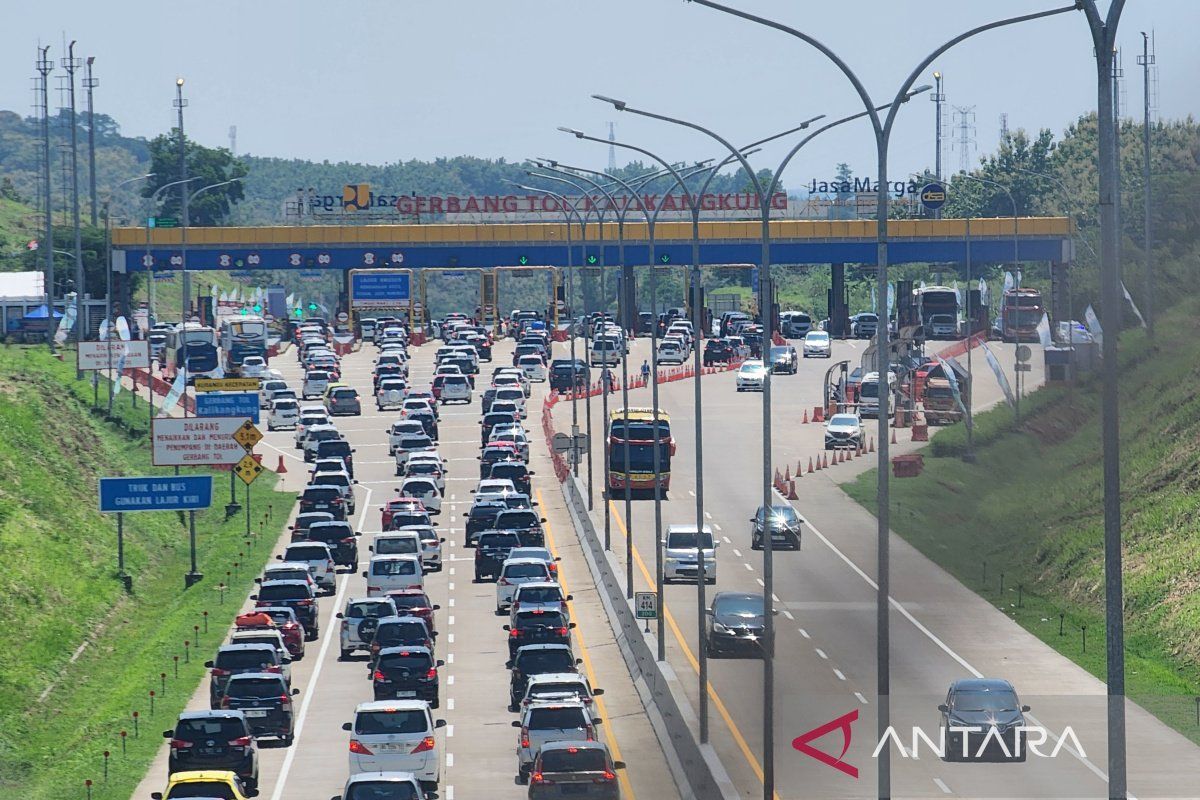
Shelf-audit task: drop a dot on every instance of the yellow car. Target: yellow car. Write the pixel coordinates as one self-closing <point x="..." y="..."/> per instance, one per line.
<point x="212" y="783"/>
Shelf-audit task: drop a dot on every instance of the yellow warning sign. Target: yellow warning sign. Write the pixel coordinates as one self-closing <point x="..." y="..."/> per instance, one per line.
<point x="247" y="435"/>
<point x="248" y="469"/>
<point x="226" y="384"/>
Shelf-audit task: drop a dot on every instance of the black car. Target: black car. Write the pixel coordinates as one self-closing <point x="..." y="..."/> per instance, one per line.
<point x="403" y="672"/>
<point x="491" y="551"/>
<point x="428" y="421"/>
<point x="400" y="631"/>
<point x="407" y="519"/>
<point x="537" y="659"/>
<point x="491" y="455"/>
<point x="234" y="659"/>
<point x="219" y="739"/>
<point x="526" y="523"/>
<point x="785" y="528"/>
<point x="300" y="596"/>
<point x="515" y="471"/>
<point x="735" y="623"/>
<point x="481" y="518"/>
<point x="324" y="498"/>
<point x="989" y="709"/>
<point x="487" y="398"/>
<point x="538" y="626"/>
<point x="342" y="541"/>
<point x="337" y="448"/>
<point x="491" y="420"/>
<point x="563" y="376"/>
<point x="717" y="351"/>
<point x="266" y="700"/>
<point x="303" y="521"/>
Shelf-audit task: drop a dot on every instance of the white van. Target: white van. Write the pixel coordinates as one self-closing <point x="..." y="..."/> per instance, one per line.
<point x="682" y="547"/>
<point x="606" y="351"/>
<point x="534" y="368"/>
<point x="284" y="413"/>
<point x="868" y="394"/>
<point x="385" y="573"/>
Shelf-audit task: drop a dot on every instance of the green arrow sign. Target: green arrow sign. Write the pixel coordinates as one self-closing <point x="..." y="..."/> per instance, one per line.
<point x="591" y="260"/>
<point x="665" y="258"/>
<point x="522" y="260"/>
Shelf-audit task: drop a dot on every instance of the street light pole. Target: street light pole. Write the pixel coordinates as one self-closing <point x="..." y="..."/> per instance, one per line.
<point x="180" y="104"/>
<point x="882" y="129"/>
<point x="1146" y="59"/>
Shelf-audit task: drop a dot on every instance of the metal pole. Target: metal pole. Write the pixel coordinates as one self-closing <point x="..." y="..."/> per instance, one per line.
<point x="1148" y="300"/>
<point x="180" y="104"/>
<point x="938" y="98"/>
<point x="194" y="575"/>
<point x="247" y="511"/>
<point x="120" y="544"/>
<point x="91" y="83"/>
<point x="45" y="66"/>
<point x="969" y="455"/>
<point x="70" y="63"/>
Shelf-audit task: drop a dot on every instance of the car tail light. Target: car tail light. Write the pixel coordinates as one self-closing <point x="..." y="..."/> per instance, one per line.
<point x="561" y="631"/>
<point x="379" y="676"/>
<point x="524" y="736"/>
<point x="241" y="741"/>
<point x="502" y="582"/>
<point x="345" y="624"/>
<point x="304" y="602"/>
<point x="606" y="777"/>
<point x="591" y="732"/>
<point x="274" y="668"/>
<point x="538" y="777"/>
<point x="361" y="749"/>
<point x="349" y="540"/>
<point x="180" y="744"/>
<point x="431" y="675"/>
<point x="225" y="702"/>
<point x="514" y="633"/>
<point x="285" y="698"/>
<point x="424" y="745"/>
<point x="219" y="673"/>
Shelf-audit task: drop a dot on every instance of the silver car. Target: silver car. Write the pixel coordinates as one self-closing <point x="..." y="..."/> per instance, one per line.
<point x="682" y="548"/>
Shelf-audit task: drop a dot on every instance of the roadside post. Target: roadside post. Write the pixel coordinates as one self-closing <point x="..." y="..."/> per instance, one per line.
<point x="247" y="468"/>
<point x="646" y="606"/>
<point x="154" y="493"/>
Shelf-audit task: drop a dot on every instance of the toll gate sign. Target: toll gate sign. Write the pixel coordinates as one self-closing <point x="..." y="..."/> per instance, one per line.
<point x="379" y="288"/>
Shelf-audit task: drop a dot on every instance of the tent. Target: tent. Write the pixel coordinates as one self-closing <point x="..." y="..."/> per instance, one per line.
<point x="40" y="313"/>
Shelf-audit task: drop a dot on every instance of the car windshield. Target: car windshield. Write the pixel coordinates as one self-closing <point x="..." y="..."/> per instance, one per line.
<point x="740" y="605"/>
<point x="385" y="722"/>
<point x="419" y="487"/>
<point x="843" y="420"/>
<point x="284" y="591"/>
<point x="249" y="658"/>
<point x="406" y="660"/>
<point x="753" y="366"/>
<point x="410" y="601"/>
<point x="539" y="594"/>
<point x="817" y="337"/>
<point x="540" y="619"/>
<point x="321" y="493"/>
<point x="209" y="790"/>
<point x="780" y="352"/>
<point x="382" y="790"/>
<point x="785" y="514"/>
<point x="526" y="571"/>
<point x="546" y="661"/>
<point x="288" y="573"/>
<point x="400" y="545"/>
<point x="256" y="687"/>
<point x="984" y="701"/>
<point x="518" y="519"/>
<point x="369" y="610"/>
<point x="574" y="759"/>
<point x="313" y="553"/>
<point x="280" y="616"/>
<point x="569" y="717"/>
<point x="509" y="540"/>
<point x="398" y="632"/>
<point x="689" y="540"/>
<point x="225" y="728"/>
<point x="393" y="567"/>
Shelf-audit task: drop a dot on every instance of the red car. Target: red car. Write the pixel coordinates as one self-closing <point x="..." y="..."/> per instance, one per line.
<point x="282" y="619"/>
<point x="399" y="504"/>
<point x="413" y="603"/>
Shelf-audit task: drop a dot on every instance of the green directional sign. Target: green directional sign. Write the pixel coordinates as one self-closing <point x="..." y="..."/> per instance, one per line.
<point x="665" y="258"/>
<point x="592" y="261"/>
<point x="523" y="260"/>
<point x="165" y="222"/>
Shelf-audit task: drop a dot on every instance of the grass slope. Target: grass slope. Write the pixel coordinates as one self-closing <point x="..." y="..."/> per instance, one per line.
<point x="64" y="705"/>
<point x="1031" y="509"/>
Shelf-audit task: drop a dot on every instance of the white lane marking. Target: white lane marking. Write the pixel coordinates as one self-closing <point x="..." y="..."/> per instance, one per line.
<point x="451" y="586"/>
<point x="726" y="540"/>
<point x="451" y="621"/>
<point x="449" y="731"/>
<point x="450" y="792"/>
<point x="821" y="653"/>
<point x="450" y="638"/>
<point x="839" y="674"/>
<point x="760" y="582"/>
<point x="450" y="704"/>
<point x="450" y="678"/>
<point x="717" y="528"/>
<point x="941" y="785"/>
<point x="450" y="660"/>
<point x="452" y="568"/>
<point x="747" y="566"/>
<point x="707" y="515"/>
<point x="788" y="614"/>
<point x="693" y="494"/>
<point x="804" y="633"/>
<point x="774" y="597"/>
<point x="737" y="552"/>
<point x="451" y="603"/>
<point x="860" y="697"/>
<point x="449" y="759"/>
<point x="1095" y="770"/>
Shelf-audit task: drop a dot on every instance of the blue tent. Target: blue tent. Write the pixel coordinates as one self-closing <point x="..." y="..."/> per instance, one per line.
<point x="40" y="313"/>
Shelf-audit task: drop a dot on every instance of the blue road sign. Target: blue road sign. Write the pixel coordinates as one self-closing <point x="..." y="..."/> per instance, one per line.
<point x="933" y="196"/>
<point x="379" y="288"/>
<point x="156" y="493"/>
<point x="228" y="404"/>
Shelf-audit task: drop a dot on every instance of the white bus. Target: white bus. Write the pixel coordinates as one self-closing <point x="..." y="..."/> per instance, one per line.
<point x="240" y="337"/>
<point x="198" y="345"/>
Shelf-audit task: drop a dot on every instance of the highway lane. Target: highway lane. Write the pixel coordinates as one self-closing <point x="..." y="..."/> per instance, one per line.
<point x="826" y="625"/>
<point x="478" y="744"/>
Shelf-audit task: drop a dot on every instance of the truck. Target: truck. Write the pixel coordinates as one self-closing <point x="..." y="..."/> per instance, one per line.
<point x="937" y="307"/>
<point x="939" y="404"/>
<point x="1020" y="312"/>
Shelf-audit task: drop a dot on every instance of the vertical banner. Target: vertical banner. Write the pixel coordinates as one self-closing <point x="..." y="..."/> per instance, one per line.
<point x="1043" y="331"/>
<point x="1001" y="378"/>
<point x="1129" y="299"/>
<point x="68" y="320"/>
<point x="172" y="398"/>
<point x="952" y="378"/>
<point x="1093" y="325"/>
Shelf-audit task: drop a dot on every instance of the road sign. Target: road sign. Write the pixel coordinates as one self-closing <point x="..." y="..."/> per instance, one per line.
<point x="665" y="258"/>
<point x="379" y="288"/>
<point x="248" y="469"/>
<point x="646" y="604"/>
<point x="592" y="260"/>
<point x="523" y="260"/>
<point x="562" y="442"/>
<point x="156" y="493"/>
<point x="343" y="316"/>
<point x="106" y="355"/>
<point x="933" y="196"/>
<point x="228" y="404"/>
<point x="247" y="435"/>
<point x="164" y="222"/>
<point x="590" y="272"/>
<point x="226" y="384"/>
<point x="1023" y="366"/>
<point x="195" y="441"/>
<point x="1023" y="352"/>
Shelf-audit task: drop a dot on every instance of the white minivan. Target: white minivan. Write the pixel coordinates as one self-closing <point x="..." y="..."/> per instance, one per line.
<point x="683" y="546"/>
<point x="385" y="573"/>
<point x="284" y="413"/>
<point x="319" y="560"/>
<point x="395" y="736"/>
<point x="606" y="351"/>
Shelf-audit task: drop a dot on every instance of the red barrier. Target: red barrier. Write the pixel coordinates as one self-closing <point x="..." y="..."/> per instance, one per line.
<point x="962" y="346"/>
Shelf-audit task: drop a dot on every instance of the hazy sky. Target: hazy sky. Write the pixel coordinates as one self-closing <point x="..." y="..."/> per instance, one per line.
<point x="386" y="80"/>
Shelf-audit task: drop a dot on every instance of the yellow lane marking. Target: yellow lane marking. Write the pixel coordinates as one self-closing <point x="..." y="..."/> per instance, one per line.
<point x="611" y="738"/>
<point x="687" y="652"/>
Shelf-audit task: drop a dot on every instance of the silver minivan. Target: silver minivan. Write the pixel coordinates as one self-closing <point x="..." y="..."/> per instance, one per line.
<point x="682" y="547"/>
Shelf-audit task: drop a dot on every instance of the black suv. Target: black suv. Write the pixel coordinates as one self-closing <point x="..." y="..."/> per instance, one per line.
<point x="538" y="626"/>
<point x="337" y="448"/>
<point x="342" y="541"/>
<point x="220" y="739"/>
<point x="303" y="521"/>
<point x="299" y="596"/>
<point x="324" y="498"/>
<point x="400" y="631"/>
<point x="234" y="659"/>
<point x="491" y="551"/>
<point x="515" y="471"/>
<point x="785" y="528"/>
<point x="526" y="523"/>
<point x="406" y="672"/>
<point x="537" y="659"/>
<point x="717" y="351"/>
<point x="493" y="454"/>
<point x="481" y="518"/>
<point x="491" y="420"/>
<point x="563" y="377"/>
<point x="266" y="700"/>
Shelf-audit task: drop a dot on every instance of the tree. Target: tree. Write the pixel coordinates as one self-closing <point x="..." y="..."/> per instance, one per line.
<point x="208" y="166"/>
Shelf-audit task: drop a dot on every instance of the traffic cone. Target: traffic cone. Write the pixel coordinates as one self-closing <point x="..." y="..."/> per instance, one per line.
<point x="282" y="468"/>
<point x="805" y="420"/>
<point x="787" y="474"/>
<point x="817" y="415"/>
<point x="792" y="491"/>
<point x="825" y="462"/>
<point x="818" y="463"/>
<point x="810" y="464"/>
<point x="872" y="450"/>
<point x="893" y="435"/>
<point x="841" y="457"/>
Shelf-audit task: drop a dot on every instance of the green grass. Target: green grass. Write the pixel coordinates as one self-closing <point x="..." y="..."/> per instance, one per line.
<point x="60" y="587"/>
<point x="1030" y="508"/>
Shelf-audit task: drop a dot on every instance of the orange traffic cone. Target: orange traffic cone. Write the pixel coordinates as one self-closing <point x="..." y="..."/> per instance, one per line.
<point x="787" y="474"/>
<point x="893" y="435"/>
<point x="825" y="462"/>
<point x="872" y="450"/>
<point x="792" y="491"/>
<point x="818" y="463"/>
<point x="810" y="464"/>
<point x="805" y="420"/>
<point x="281" y="469"/>
<point x="840" y="456"/>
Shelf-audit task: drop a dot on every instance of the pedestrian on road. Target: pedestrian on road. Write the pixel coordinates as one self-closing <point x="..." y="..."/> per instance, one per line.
<point x="645" y="371"/>
<point x="609" y="380"/>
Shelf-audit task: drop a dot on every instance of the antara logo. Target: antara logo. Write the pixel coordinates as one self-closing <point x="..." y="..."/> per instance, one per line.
<point x="964" y="742"/>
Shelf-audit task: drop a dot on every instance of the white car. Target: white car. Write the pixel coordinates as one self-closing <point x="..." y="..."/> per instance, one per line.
<point x="515" y="436"/>
<point x="319" y="560"/>
<point x="395" y="736"/>
<point x="430" y="545"/>
<point x="391" y="394"/>
<point x="817" y="345"/>
<point x="540" y="593"/>
<point x="559" y="687"/>
<point x="401" y="428"/>
<point x="669" y="352"/>
<point x="534" y="368"/>
<point x="269" y="636"/>
<point x="252" y="366"/>
<point x="385" y="573"/>
<point x="315" y="384"/>
<point x="542" y="554"/>
<point x="405" y="542"/>
<point x="267" y="389"/>
<point x="751" y="375"/>
<point x="412" y="404"/>
<point x="418" y="467"/>
<point x="424" y="489"/>
<point x="514" y="572"/>
<point x="495" y="486"/>
<point x="456" y="389"/>
<point x="383" y="784"/>
<point x="310" y="416"/>
<point x="284" y="413"/>
<point x="343" y="482"/>
<point x="512" y="394"/>
<point x="512" y="376"/>
<point x="682" y="547"/>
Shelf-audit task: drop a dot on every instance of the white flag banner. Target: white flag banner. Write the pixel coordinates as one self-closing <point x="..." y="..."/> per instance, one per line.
<point x="1093" y="325"/>
<point x="1133" y="305"/>
<point x="874" y="300"/>
<point x="290" y="301"/>
<point x="123" y="329"/>
<point x="891" y="299"/>
<point x="68" y="320"/>
<point x="922" y="286"/>
<point x="1043" y="331"/>
<point x="105" y="325"/>
<point x="1009" y="282"/>
<point x="1001" y="378"/>
<point x="172" y="398"/>
<point x="952" y="378"/>
<point x="216" y="293"/>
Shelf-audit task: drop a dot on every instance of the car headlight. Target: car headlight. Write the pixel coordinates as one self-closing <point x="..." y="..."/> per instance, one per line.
<point x="719" y="628"/>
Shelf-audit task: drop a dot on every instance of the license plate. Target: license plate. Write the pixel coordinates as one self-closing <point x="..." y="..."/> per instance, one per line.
<point x="574" y="788"/>
<point x="255" y="712"/>
<point x="207" y="751"/>
<point x="406" y="694"/>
